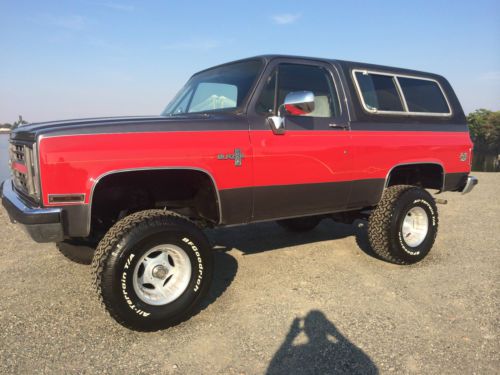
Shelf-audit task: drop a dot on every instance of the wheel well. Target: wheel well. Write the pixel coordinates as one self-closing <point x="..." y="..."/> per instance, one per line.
<point x="191" y="193"/>
<point x="429" y="176"/>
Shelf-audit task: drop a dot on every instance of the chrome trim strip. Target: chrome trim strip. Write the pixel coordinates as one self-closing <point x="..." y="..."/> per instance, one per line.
<point x="96" y="182"/>
<point x="401" y="94"/>
<point x="405" y="105"/>
<point x="41" y="137"/>
<point x="29" y="167"/>
<point x="36" y="172"/>
<point x="38" y="163"/>
<point x="471" y="183"/>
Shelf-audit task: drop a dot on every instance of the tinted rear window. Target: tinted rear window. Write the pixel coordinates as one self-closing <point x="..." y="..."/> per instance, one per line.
<point x="379" y="92"/>
<point x="423" y="95"/>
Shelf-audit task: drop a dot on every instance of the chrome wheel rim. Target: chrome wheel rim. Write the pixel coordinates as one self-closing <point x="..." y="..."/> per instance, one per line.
<point x="162" y="274"/>
<point x="415" y="226"/>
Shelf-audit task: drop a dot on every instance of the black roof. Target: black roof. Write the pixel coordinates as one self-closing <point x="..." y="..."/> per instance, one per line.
<point x="346" y="67"/>
<point x="344" y="63"/>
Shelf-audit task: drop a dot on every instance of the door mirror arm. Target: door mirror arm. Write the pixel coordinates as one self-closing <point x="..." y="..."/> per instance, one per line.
<point x="277" y="124"/>
<point x="296" y="103"/>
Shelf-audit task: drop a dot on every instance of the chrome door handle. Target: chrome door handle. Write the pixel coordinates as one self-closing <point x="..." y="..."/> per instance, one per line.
<point x="338" y="126"/>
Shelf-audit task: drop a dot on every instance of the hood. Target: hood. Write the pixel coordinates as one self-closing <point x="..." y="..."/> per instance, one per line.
<point x="193" y="122"/>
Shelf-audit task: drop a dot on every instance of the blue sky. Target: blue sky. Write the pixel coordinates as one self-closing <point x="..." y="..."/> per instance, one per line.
<point x="67" y="59"/>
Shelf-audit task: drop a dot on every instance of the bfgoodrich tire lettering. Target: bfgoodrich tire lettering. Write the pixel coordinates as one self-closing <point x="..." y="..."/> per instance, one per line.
<point x="385" y="225"/>
<point x="121" y="249"/>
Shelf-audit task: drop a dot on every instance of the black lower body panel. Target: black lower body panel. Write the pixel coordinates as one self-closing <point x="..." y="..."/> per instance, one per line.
<point x="455" y="181"/>
<point x="283" y="201"/>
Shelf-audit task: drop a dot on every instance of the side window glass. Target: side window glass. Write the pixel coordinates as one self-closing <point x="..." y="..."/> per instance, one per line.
<point x="295" y="77"/>
<point x="379" y="92"/>
<point x="212" y="95"/>
<point x="265" y="104"/>
<point x="423" y="96"/>
<point x="180" y="103"/>
<point x="181" y="107"/>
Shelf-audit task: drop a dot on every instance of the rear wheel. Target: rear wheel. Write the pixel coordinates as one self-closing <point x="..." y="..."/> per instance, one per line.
<point x="403" y="227"/>
<point x="300" y="224"/>
<point x="152" y="269"/>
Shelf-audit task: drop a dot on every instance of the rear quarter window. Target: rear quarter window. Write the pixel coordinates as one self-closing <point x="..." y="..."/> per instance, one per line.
<point x="423" y="95"/>
<point x="379" y="92"/>
<point x="399" y="94"/>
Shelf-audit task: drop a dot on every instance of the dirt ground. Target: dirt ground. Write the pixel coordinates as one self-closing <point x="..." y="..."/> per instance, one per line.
<point x="280" y="303"/>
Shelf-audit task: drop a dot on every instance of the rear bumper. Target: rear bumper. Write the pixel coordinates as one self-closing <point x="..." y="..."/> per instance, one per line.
<point x="42" y="224"/>
<point x="469" y="185"/>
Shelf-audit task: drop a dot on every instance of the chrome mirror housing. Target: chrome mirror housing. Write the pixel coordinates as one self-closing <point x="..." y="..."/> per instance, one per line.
<point x="299" y="103"/>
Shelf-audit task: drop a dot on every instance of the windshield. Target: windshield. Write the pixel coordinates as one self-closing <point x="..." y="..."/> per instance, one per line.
<point x="220" y="89"/>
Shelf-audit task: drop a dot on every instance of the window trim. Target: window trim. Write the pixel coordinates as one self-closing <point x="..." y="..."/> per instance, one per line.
<point x="330" y="80"/>
<point x="244" y="105"/>
<point x="406" y="111"/>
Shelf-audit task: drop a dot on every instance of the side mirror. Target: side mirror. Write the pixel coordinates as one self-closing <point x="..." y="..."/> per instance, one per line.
<point x="297" y="103"/>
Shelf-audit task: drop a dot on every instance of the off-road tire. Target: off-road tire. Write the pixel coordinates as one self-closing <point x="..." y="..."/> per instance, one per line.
<point x="119" y="252"/>
<point x="300" y="224"/>
<point x="77" y="251"/>
<point x="385" y="224"/>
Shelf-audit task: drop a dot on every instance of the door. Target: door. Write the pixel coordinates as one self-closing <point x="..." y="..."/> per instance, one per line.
<point x="305" y="170"/>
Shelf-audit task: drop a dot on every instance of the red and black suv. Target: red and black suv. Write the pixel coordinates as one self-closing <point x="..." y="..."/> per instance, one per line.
<point x="291" y="139"/>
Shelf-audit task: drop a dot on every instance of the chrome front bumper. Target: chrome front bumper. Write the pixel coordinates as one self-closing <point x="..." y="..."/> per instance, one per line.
<point x="469" y="185"/>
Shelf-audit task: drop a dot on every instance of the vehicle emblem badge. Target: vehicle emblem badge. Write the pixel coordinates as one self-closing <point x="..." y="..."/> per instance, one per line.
<point x="237" y="157"/>
<point x="463" y="156"/>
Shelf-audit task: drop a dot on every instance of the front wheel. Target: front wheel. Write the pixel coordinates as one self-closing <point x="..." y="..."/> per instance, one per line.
<point x="403" y="227"/>
<point x="152" y="269"/>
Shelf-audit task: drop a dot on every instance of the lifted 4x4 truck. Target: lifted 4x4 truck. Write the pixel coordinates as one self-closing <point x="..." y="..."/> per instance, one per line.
<point x="282" y="138"/>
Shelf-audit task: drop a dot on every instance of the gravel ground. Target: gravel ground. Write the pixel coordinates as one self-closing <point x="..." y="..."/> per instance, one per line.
<point x="280" y="303"/>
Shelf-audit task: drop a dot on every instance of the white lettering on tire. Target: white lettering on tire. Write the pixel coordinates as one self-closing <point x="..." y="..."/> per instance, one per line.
<point x="199" y="278"/>
<point x="403" y="245"/>
<point x="124" y="289"/>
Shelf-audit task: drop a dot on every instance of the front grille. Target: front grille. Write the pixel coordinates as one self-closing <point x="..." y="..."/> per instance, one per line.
<point x="24" y="169"/>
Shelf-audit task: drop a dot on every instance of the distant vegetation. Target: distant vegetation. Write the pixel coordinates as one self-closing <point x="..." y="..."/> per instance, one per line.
<point x="17" y="123"/>
<point x="484" y="128"/>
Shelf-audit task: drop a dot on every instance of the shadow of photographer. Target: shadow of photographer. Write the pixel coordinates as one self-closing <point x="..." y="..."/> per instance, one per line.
<point x="326" y="350"/>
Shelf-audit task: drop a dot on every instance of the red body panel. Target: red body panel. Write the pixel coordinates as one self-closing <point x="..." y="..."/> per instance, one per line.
<point x="73" y="164"/>
<point x="301" y="157"/>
